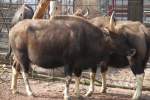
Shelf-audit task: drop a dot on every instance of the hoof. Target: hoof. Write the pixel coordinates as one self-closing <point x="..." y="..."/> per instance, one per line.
<point x="79" y="98"/>
<point x="30" y="94"/>
<point x="103" y="91"/>
<point x="136" y="98"/>
<point x="67" y="98"/>
<point x="14" y="91"/>
<point x="89" y="93"/>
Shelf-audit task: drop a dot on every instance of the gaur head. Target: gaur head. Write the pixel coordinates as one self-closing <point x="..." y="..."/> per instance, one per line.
<point x="81" y="12"/>
<point x="23" y="12"/>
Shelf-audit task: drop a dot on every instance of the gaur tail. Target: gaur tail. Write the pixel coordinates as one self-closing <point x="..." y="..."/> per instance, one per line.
<point x="8" y="53"/>
<point x="146" y="32"/>
<point x="147" y="37"/>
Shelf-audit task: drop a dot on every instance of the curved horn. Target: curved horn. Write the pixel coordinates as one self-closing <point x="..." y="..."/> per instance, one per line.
<point x="68" y="11"/>
<point x="112" y="27"/>
<point x="87" y="12"/>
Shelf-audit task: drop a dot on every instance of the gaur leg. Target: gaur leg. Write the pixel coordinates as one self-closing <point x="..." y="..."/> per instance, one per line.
<point x="68" y="75"/>
<point x="25" y="78"/>
<point x="24" y="65"/>
<point x="15" y="74"/>
<point x="104" y="69"/>
<point x="77" y="73"/>
<point x="92" y="79"/>
<point x="137" y="67"/>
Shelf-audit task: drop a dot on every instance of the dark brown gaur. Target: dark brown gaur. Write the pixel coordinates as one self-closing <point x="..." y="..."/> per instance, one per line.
<point x="72" y="47"/>
<point x="131" y="47"/>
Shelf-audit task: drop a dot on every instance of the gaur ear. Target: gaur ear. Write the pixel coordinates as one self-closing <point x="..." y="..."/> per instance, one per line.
<point x="106" y="29"/>
<point x="107" y="36"/>
<point x="21" y="16"/>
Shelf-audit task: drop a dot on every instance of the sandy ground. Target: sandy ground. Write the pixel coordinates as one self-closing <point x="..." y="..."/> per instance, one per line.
<point x="53" y="90"/>
<point x="46" y="89"/>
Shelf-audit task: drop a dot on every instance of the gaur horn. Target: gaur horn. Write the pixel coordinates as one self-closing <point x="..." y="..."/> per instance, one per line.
<point x="87" y="12"/>
<point x="112" y="23"/>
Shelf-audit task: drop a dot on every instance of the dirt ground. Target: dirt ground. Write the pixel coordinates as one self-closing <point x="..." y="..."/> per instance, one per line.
<point x="44" y="90"/>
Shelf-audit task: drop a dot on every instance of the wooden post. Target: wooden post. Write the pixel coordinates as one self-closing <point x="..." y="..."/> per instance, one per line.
<point x="41" y="9"/>
<point x="135" y="10"/>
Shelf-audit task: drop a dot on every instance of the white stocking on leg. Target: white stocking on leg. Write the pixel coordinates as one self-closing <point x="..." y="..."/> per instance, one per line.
<point x="91" y="87"/>
<point x="103" y="88"/>
<point x="28" y="89"/>
<point x="14" y="80"/>
<point x="66" y="90"/>
<point x="139" y="84"/>
<point x="77" y="90"/>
